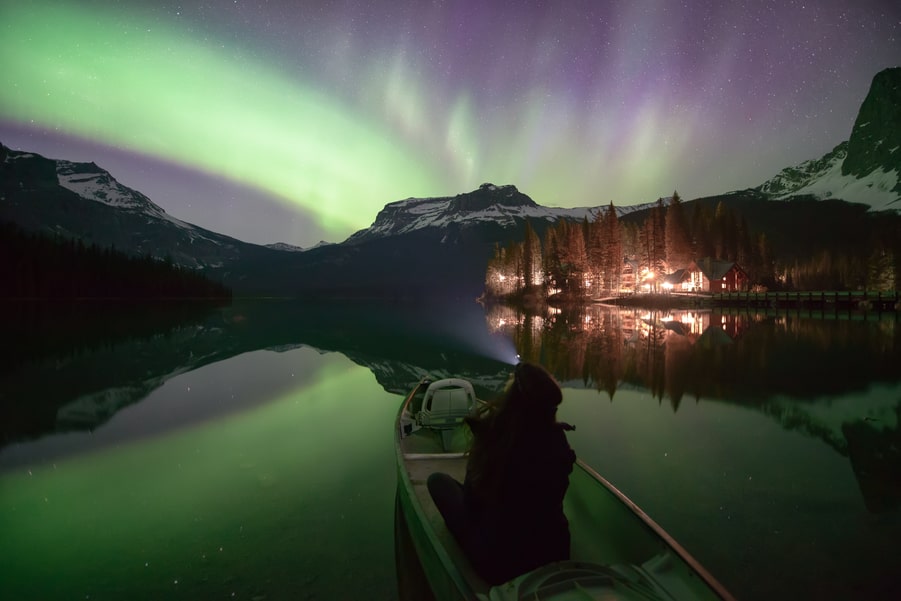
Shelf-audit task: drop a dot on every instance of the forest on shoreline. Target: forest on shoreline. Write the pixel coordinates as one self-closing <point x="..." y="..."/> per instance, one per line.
<point x="849" y="249"/>
<point x="39" y="266"/>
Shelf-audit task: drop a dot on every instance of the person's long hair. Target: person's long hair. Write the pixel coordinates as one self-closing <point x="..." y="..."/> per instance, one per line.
<point x="527" y="406"/>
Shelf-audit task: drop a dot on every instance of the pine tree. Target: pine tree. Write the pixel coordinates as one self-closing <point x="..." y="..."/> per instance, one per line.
<point x="613" y="251"/>
<point x="531" y="257"/>
<point x="653" y="246"/>
<point x="725" y="233"/>
<point x="702" y="232"/>
<point x="553" y="264"/>
<point x="596" y="250"/>
<point x="678" y="241"/>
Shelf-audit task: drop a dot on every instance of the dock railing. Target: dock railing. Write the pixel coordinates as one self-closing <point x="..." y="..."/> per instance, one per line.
<point x="843" y="300"/>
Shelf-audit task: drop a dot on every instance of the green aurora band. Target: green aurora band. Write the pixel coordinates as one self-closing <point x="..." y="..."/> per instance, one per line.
<point x="108" y="78"/>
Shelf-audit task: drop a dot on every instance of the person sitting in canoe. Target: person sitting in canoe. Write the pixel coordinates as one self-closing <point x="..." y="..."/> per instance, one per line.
<point x="507" y="516"/>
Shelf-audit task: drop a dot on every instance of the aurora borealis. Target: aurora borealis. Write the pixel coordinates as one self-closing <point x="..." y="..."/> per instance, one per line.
<point x="297" y="121"/>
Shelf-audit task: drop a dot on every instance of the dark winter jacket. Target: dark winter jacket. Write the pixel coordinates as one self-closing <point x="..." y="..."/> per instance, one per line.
<point x="523" y="526"/>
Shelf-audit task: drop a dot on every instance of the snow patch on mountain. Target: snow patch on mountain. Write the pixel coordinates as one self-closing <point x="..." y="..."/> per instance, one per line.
<point x="97" y="186"/>
<point x="285" y="247"/>
<point x="90" y="182"/>
<point x="501" y="205"/>
<point x="10" y="157"/>
<point x="875" y="189"/>
<point x="436" y="214"/>
<point x="823" y="178"/>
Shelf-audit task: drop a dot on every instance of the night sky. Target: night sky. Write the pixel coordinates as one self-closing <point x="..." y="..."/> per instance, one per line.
<point x="297" y="121"/>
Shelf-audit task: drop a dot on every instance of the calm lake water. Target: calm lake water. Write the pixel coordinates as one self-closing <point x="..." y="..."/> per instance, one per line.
<point x="246" y="452"/>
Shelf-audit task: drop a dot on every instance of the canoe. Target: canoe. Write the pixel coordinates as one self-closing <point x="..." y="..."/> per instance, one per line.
<point x="617" y="551"/>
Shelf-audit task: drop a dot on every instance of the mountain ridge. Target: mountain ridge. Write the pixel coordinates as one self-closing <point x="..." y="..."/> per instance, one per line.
<point x="866" y="167"/>
<point x="444" y="243"/>
<point x="504" y="205"/>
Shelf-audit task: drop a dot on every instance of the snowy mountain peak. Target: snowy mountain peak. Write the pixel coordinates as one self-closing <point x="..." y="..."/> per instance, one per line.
<point x="875" y="142"/>
<point x="501" y="205"/>
<point x="866" y="168"/>
<point x="284" y="246"/>
<point x="84" y="201"/>
<point x="91" y="182"/>
<point x="87" y="180"/>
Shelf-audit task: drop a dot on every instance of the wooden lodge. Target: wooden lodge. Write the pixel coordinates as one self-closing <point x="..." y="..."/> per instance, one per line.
<point x="701" y="276"/>
<point x="710" y="275"/>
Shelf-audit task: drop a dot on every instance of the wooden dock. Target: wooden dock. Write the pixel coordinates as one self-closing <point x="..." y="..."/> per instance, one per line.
<point x="829" y="301"/>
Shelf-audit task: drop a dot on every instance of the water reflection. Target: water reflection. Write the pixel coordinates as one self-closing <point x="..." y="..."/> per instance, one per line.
<point x="835" y="380"/>
<point x="767" y="444"/>
<point x="77" y="383"/>
<point x="70" y="366"/>
<point x="742" y="357"/>
<point x="276" y="501"/>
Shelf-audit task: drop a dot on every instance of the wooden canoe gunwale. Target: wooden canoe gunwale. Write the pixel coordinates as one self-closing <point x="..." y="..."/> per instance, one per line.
<point x="410" y="500"/>
<point x="684" y="555"/>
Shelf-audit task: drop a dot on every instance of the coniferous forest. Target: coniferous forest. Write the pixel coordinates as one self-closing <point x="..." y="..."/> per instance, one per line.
<point x="43" y="267"/>
<point x="795" y="246"/>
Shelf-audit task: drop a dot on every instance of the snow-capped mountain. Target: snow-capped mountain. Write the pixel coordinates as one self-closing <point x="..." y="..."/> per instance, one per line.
<point x="431" y="246"/>
<point x="91" y="182"/>
<point x="87" y="180"/>
<point x="283" y="246"/>
<point x="866" y="168"/>
<point x="489" y="204"/>
<point x="85" y="202"/>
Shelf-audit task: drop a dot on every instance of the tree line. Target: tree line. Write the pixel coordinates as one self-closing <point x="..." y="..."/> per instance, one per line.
<point x="37" y="265"/>
<point x="595" y="257"/>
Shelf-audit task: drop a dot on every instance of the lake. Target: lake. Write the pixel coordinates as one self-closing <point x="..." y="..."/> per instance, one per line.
<point x="246" y="451"/>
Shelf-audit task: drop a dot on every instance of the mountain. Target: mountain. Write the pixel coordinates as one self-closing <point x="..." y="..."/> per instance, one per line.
<point x="84" y="201"/>
<point x="285" y="247"/>
<point x="415" y="248"/>
<point x="423" y="247"/>
<point x="439" y="247"/>
<point x="865" y="168"/>
<point x="293" y="248"/>
<point x="489" y="204"/>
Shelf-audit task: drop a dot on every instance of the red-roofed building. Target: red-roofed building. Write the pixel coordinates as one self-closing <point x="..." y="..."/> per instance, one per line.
<point x="710" y="275"/>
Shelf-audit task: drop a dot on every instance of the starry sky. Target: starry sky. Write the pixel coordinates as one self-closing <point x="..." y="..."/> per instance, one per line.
<point x="298" y="120"/>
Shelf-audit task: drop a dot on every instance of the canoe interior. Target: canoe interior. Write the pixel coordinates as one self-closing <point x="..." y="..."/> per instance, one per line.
<point x="606" y="528"/>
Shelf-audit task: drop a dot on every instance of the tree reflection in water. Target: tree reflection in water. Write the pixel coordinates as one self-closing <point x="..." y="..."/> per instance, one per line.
<point x="786" y="365"/>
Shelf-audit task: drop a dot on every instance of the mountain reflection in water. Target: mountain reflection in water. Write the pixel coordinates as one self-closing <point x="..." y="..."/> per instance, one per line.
<point x="679" y="409"/>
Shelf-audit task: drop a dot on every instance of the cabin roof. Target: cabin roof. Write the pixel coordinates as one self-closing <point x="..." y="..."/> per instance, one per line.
<point x="676" y="277"/>
<point x="714" y="269"/>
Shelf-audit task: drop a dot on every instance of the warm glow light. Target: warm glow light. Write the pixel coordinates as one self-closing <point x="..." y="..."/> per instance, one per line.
<point x="667" y="286"/>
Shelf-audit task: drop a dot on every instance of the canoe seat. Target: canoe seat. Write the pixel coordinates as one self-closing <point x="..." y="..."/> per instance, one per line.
<point x="446" y="403"/>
